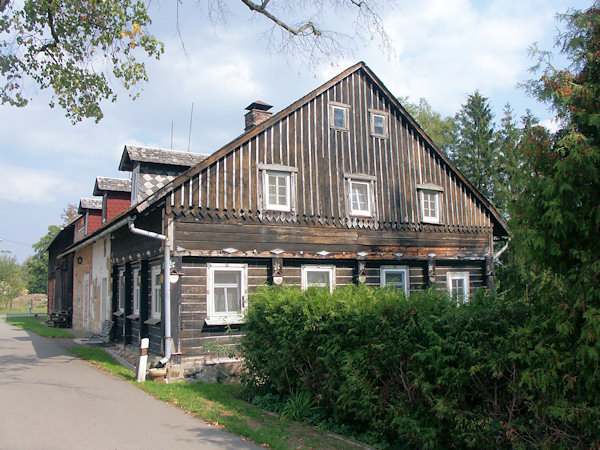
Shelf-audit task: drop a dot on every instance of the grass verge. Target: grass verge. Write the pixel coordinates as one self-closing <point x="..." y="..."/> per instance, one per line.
<point x="220" y="405"/>
<point x="8" y="312"/>
<point x="35" y="324"/>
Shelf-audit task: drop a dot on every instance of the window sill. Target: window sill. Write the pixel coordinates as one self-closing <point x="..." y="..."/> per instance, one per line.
<point x="118" y="313"/>
<point x="379" y="136"/>
<point x="133" y="316"/>
<point x="152" y="321"/>
<point x="224" y="320"/>
<point x="431" y="222"/>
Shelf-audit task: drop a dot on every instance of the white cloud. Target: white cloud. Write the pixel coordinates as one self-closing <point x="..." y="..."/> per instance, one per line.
<point x="30" y="186"/>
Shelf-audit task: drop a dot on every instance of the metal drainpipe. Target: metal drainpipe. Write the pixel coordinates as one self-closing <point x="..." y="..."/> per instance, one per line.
<point x="502" y="250"/>
<point x="166" y="274"/>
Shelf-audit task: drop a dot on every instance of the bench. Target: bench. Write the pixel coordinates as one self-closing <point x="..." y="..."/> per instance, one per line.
<point x="104" y="335"/>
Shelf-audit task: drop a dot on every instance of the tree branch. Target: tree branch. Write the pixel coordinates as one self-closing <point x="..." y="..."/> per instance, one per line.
<point x="262" y="9"/>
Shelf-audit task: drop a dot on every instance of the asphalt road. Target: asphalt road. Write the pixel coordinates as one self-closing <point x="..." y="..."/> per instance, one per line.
<point x="51" y="400"/>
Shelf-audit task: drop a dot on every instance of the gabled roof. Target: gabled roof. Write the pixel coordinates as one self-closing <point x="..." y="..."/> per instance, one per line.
<point x="132" y="154"/>
<point x="500" y="226"/>
<point x="104" y="184"/>
<point x="89" y="203"/>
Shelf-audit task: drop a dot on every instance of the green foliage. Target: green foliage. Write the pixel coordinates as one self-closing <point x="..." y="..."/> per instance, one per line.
<point x="12" y="280"/>
<point x="475" y="150"/>
<point x="420" y="371"/>
<point x="298" y="406"/>
<point x="67" y="47"/>
<point x="36" y="266"/>
<point x="440" y="130"/>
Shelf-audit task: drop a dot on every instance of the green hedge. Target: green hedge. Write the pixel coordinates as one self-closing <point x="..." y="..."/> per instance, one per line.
<point x="418" y="372"/>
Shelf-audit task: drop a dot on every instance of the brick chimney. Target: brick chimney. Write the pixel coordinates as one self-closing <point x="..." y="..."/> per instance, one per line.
<point x="257" y="114"/>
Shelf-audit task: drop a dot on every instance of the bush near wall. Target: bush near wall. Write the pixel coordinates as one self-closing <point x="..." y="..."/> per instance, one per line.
<point x="418" y="372"/>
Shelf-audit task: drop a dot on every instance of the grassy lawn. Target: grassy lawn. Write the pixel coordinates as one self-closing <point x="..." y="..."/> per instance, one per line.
<point x="36" y="324"/>
<point x="220" y="405"/>
<point x="8" y="312"/>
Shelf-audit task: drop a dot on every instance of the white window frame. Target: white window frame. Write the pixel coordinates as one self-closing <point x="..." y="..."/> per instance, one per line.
<point x="386" y="120"/>
<point x="122" y="286"/>
<point x="156" y="288"/>
<point x="359" y="212"/>
<point x="384" y="270"/>
<point x="227" y="318"/>
<point x="136" y="292"/>
<point x="450" y="276"/>
<point x="315" y="268"/>
<point x="333" y="106"/>
<point x="288" y="185"/>
<point x="437" y="192"/>
<point x="135" y="184"/>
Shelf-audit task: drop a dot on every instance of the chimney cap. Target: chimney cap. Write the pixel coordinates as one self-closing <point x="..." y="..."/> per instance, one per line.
<point x="258" y="105"/>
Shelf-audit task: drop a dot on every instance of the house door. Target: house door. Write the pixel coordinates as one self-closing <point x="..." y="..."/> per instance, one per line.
<point x="86" y="301"/>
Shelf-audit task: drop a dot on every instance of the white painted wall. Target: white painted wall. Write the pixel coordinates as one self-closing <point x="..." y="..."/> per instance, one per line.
<point x="101" y="284"/>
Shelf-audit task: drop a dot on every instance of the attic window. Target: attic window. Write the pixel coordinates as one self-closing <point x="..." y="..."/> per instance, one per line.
<point x="338" y="116"/>
<point x="135" y="183"/>
<point x="379" y="124"/>
<point x="360" y="189"/>
<point x="430" y="197"/>
<point x="279" y="185"/>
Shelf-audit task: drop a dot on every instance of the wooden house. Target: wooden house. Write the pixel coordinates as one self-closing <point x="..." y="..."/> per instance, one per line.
<point x="340" y="187"/>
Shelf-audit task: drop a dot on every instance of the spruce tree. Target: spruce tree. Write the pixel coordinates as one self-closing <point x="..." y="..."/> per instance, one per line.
<point x="475" y="150"/>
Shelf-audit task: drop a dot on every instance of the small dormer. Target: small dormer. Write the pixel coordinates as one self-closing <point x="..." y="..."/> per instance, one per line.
<point x="91" y="217"/>
<point x="116" y="195"/>
<point x="153" y="168"/>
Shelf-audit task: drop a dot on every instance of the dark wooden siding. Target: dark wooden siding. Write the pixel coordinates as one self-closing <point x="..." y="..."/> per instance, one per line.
<point x="231" y="186"/>
<point x="203" y="239"/>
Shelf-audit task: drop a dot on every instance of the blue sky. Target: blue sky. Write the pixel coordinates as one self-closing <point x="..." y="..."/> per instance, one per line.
<point x="442" y="51"/>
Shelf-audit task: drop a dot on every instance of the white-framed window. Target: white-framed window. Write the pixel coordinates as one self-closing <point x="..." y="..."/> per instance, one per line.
<point x="277" y="192"/>
<point x="430" y="197"/>
<point x="458" y="286"/>
<point x="379" y="124"/>
<point x="338" y="116"/>
<point x="122" y="292"/>
<point x="227" y="292"/>
<point x="157" y="292"/>
<point x="136" y="291"/>
<point x="395" y="276"/>
<point x="360" y="198"/>
<point x="319" y="276"/>
<point x="135" y="184"/>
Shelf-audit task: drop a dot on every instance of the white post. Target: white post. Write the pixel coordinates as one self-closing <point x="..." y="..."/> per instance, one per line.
<point x="143" y="362"/>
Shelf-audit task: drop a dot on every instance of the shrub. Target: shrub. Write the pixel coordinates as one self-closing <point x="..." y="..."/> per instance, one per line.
<point x="418" y="371"/>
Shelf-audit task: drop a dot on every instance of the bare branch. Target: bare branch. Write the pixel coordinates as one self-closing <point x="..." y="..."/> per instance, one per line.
<point x="261" y="9"/>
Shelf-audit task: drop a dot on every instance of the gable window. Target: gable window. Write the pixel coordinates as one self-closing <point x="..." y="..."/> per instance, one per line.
<point x="430" y="199"/>
<point x="338" y="116"/>
<point x="458" y="286"/>
<point x="360" y="198"/>
<point x="360" y="190"/>
<point x="227" y="286"/>
<point x="136" y="292"/>
<point x="379" y="124"/>
<point x="279" y="185"/>
<point x="319" y="276"/>
<point x="395" y="277"/>
<point x="156" y="307"/>
<point x="277" y="190"/>
<point x="135" y="184"/>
